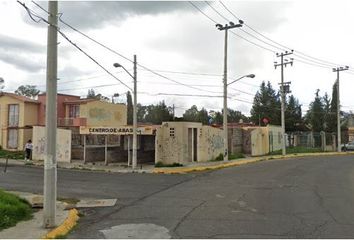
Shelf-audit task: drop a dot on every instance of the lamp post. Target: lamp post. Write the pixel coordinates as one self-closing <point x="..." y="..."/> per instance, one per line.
<point x="226" y="28"/>
<point x="225" y="111"/>
<point x="134" y="165"/>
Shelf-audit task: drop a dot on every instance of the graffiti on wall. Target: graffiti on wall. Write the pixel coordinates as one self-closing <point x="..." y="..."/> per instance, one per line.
<point x="63" y="148"/>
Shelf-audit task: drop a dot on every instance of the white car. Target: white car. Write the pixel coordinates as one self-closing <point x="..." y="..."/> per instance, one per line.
<point x="348" y="147"/>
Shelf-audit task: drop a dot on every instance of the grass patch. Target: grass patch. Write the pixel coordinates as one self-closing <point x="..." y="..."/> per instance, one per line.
<point x="236" y="156"/>
<point x="295" y="150"/>
<point x="12" y="210"/>
<point x="160" y="164"/>
<point x="12" y="154"/>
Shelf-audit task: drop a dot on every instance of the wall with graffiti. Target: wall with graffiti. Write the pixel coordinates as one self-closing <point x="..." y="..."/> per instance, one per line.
<point x="104" y="114"/>
<point x="63" y="144"/>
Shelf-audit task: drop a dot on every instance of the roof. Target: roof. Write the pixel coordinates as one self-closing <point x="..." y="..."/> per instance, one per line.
<point x="61" y="94"/>
<point x="85" y="100"/>
<point x="21" y="98"/>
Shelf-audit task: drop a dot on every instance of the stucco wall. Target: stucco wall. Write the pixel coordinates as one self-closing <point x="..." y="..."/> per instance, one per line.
<point x="104" y="114"/>
<point x="178" y="148"/>
<point x="265" y="139"/>
<point x="211" y="143"/>
<point x="63" y="144"/>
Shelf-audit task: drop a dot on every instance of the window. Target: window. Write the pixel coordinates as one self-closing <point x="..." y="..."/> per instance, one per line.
<point x="172" y="132"/>
<point x="74" y="111"/>
<point x="12" y="138"/>
<point x="13" y="115"/>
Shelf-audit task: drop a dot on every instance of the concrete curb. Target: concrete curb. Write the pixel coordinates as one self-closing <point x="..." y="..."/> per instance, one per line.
<point x="232" y="163"/>
<point x="65" y="227"/>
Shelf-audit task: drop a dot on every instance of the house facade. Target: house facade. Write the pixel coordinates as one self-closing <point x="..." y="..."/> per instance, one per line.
<point x="18" y="115"/>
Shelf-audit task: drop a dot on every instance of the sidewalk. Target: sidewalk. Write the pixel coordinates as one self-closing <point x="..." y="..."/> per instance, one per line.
<point x="188" y="167"/>
<point x="32" y="229"/>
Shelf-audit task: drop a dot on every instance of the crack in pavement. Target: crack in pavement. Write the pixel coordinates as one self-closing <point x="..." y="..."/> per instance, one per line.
<point x="174" y="230"/>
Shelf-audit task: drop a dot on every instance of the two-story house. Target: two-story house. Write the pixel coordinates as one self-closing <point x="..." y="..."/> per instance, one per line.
<point x="18" y="115"/>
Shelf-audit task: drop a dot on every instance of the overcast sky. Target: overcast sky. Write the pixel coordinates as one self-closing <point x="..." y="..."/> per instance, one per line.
<point x="175" y="36"/>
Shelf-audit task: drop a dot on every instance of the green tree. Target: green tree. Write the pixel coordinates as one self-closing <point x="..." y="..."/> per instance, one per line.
<point x="156" y="114"/>
<point x="195" y="115"/>
<point x="92" y="95"/>
<point x="316" y="113"/>
<point x="234" y="116"/>
<point x="266" y="103"/>
<point x="293" y="115"/>
<point x="129" y="108"/>
<point x="140" y="112"/>
<point x="30" y="91"/>
<point x="332" y="117"/>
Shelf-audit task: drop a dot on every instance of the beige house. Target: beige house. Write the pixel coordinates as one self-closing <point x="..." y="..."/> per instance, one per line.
<point x="183" y="142"/>
<point x="18" y="115"/>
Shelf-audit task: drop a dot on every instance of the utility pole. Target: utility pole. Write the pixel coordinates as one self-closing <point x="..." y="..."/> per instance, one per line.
<point x="135" y="162"/>
<point x="284" y="88"/>
<point x="50" y="163"/>
<point x="226" y="28"/>
<point x="339" y="69"/>
<point x="135" y="127"/>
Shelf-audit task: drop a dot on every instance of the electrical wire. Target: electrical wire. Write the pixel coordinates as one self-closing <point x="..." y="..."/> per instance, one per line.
<point x="31" y="13"/>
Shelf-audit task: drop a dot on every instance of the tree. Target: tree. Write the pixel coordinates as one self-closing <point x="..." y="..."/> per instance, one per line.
<point x="332" y="117"/>
<point x="234" y="116"/>
<point x="316" y="113"/>
<point x="92" y="95"/>
<point x="156" y="114"/>
<point x="266" y="103"/>
<point x="2" y="84"/>
<point x="191" y="115"/>
<point x="129" y="108"/>
<point x="28" y="91"/>
<point x="293" y="115"/>
<point x="194" y="115"/>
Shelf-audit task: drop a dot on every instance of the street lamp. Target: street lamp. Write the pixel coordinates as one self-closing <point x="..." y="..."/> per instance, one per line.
<point x="134" y="110"/>
<point x="225" y="113"/>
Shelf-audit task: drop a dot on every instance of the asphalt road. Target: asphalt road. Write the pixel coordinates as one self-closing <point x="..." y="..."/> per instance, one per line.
<point x="297" y="198"/>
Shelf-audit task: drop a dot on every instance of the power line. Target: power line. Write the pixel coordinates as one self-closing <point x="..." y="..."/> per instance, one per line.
<point x="283" y="47"/>
<point x="31" y="13"/>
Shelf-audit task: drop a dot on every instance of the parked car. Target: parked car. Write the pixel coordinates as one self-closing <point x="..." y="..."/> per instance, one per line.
<point x="348" y="146"/>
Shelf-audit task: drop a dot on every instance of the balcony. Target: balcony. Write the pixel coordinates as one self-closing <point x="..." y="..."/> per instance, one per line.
<point x="71" y="122"/>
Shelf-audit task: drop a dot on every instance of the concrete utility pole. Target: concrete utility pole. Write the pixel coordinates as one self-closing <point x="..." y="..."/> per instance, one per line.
<point x="135" y="119"/>
<point x="50" y="163"/>
<point x="284" y="88"/>
<point x="339" y="69"/>
<point x="135" y="125"/>
<point x="226" y="28"/>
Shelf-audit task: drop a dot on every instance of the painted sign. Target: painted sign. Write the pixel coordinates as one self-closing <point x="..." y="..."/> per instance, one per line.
<point x="124" y="130"/>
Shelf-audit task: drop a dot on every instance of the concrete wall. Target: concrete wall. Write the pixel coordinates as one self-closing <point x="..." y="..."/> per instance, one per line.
<point x="63" y="144"/>
<point x="265" y="139"/>
<point x="211" y="143"/>
<point x="235" y="141"/>
<point x="174" y="142"/>
<point x="104" y="114"/>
